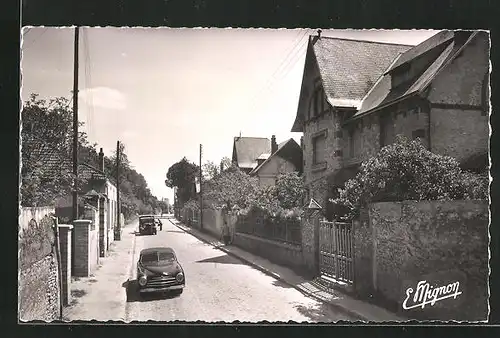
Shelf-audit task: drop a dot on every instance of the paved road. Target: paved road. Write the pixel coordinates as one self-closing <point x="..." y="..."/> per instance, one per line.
<point x="218" y="288"/>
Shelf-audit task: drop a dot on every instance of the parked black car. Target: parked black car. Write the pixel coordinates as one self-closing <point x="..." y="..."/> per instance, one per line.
<point x="147" y="225"/>
<point x="158" y="270"/>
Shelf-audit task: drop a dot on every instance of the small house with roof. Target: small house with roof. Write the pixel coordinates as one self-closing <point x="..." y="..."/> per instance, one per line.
<point x="265" y="159"/>
<point x="356" y="96"/>
<point x="283" y="158"/>
<point x="246" y="150"/>
<point x="97" y="198"/>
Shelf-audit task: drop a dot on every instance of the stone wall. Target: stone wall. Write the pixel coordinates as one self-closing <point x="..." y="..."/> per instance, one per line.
<point x="440" y="242"/>
<point x="38" y="286"/>
<point x="212" y="221"/>
<point x="363" y="255"/>
<point x="286" y="254"/>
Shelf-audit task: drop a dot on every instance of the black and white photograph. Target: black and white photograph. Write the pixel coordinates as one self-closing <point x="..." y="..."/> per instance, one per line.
<point x="300" y="175"/>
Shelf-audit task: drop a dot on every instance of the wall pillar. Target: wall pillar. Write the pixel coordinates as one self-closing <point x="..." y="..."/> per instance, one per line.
<point x="81" y="233"/>
<point x="65" y="233"/>
<point x="102" y="228"/>
<point x="310" y="240"/>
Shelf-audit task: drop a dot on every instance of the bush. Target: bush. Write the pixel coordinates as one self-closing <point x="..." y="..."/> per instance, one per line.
<point x="406" y="170"/>
<point x="284" y="199"/>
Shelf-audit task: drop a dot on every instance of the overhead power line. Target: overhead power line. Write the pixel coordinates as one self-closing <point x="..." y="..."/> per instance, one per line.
<point x="291" y="59"/>
<point x="270" y="80"/>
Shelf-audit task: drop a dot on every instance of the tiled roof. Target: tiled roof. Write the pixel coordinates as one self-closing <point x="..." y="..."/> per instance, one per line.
<point x="383" y="94"/>
<point x="57" y="163"/>
<point x="422" y="48"/>
<point x="248" y="149"/>
<point x="349" y="68"/>
<point x="280" y="147"/>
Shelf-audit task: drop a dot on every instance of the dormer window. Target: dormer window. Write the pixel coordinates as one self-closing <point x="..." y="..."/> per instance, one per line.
<point x="400" y="75"/>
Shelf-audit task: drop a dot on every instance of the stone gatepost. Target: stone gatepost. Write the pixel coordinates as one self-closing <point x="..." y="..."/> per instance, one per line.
<point x="65" y="233"/>
<point x="81" y="231"/>
<point x="310" y="237"/>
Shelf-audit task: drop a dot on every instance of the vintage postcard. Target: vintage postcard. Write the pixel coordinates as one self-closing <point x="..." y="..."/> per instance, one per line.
<point x="220" y="175"/>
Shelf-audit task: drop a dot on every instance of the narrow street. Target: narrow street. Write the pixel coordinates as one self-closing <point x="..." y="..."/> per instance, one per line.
<point x="219" y="288"/>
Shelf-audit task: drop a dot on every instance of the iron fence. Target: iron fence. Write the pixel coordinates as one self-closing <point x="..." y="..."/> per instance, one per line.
<point x="277" y="229"/>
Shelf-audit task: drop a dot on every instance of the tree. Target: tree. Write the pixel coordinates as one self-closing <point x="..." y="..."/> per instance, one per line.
<point x="226" y="163"/>
<point x="290" y="190"/>
<point x="47" y="144"/>
<point x="46" y="147"/>
<point x="210" y="170"/>
<point x="182" y="175"/>
<point x="230" y="188"/>
<point x="406" y="170"/>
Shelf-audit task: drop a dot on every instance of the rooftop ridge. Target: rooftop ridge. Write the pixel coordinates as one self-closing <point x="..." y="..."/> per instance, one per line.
<point x="365" y="41"/>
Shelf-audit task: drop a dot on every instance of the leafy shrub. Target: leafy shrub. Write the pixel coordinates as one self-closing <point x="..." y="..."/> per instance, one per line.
<point x="406" y="170"/>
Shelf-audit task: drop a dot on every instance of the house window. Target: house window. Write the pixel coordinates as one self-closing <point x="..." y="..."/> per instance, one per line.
<point x="318" y="103"/>
<point x="351" y="143"/>
<point x="419" y="133"/>
<point x="319" y="148"/>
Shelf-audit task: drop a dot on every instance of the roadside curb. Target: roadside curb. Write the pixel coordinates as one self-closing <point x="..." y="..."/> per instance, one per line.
<point x="350" y="312"/>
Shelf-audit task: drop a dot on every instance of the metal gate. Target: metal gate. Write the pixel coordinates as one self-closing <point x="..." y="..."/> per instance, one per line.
<point x="336" y="251"/>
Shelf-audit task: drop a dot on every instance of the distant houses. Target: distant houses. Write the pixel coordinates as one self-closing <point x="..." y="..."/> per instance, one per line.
<point x="265" y="159"/>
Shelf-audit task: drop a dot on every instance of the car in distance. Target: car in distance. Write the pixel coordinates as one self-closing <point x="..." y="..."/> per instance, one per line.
<point x="158" y="270"/>
<point x="147" y="225"/>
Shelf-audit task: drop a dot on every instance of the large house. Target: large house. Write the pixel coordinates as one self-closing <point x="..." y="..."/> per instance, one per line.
<point x="265" y="159"/>
<point x="356" y="96"/>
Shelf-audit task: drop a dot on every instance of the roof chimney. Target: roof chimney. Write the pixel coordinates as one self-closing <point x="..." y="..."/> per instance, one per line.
<point x="319" y="33"/>
<point x="302" y="142"/>
<point x="101" y="160"/>
<point x="274" y="145"/>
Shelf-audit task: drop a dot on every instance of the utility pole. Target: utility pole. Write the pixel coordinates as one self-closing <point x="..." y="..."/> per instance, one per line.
<point x="118" y="231"/>
<point x="201" y="189"/>
<point x="75" y="125"/>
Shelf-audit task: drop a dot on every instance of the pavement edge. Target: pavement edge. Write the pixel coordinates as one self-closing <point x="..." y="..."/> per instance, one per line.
<point x="340" y="307"/>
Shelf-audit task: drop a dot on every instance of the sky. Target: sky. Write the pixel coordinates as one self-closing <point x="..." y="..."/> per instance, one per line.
<point x="163" y="92"/>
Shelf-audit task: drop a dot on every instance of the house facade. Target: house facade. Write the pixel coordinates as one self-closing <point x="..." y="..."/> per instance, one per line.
<point x="356" y="96"/>
<point x="284" y="158"/>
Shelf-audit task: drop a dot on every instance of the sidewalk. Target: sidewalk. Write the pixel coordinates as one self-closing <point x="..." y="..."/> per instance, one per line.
<point x="102" y="295"/>
<point x="356" y="308"/>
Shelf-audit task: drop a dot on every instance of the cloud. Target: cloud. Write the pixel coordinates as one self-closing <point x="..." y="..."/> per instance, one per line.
<point x="104" y="97"/>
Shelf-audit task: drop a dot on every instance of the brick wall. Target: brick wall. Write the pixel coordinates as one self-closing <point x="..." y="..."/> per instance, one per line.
<point x="461" y="81"/>
<point x="456" y="131"/>
<point x="441" y="242"/>
<point x="38" y="286"/>
<point x="81" y="232"/>
<point x="459" y="133"/>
